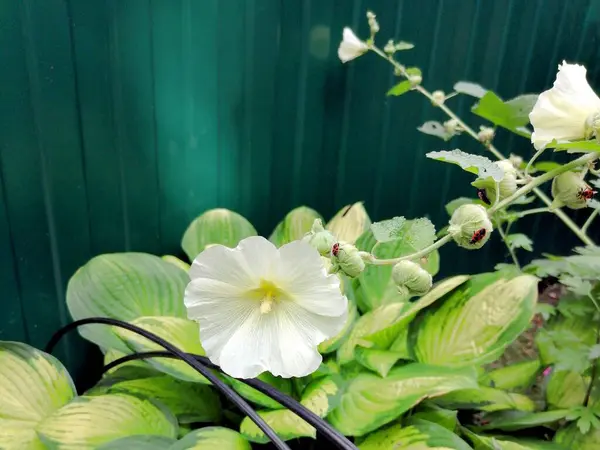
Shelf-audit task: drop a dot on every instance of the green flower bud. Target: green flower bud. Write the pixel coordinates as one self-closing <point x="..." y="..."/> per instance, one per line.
<point x="452" y="126"/>
<point x="411" y="279"/>
<point x="390" y="48"/>
<point x="347" y="259"/>
<point x="470" y="226"/>
<point x="508" y="185"/>
<point x="569" y="189"/>
<point x="438" y="97"/>
<point x="415" y="79"/>
<point x="320" y="238"/>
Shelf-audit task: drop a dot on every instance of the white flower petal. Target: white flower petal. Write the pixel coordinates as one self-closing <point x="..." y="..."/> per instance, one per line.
<point x="303" y="276"/>
<point x="351" y="46"/>
<point x="561" y="112"/>
<point x="242" y="266"/>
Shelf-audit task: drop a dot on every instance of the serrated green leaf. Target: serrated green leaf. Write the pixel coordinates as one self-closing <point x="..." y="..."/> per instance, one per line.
<point x="34" y="385"/>
<point x="350" y="223"/>
<point x="182" y="333"/>
<point x="472" y="89"/>
<point x="434" y="128"/>
<point x="189" y="402"/>
<point x="512" y="115"/>
<point x="518" y="376"/>
<point x="386" y="335"/>
<point x="477" y="164"/>
<point x="572" y="439"/>
<point x="417" y="435"/>
<point x="212" y="438"/>
<point x="114" y="416"/>
<point x="519" y="240"/>
<point x="485" y="399"/>
<point x="479" y="321"/>
<point x="401" y="88"/>
<point x="320" y="397"/>
<point x="374" y="287"/>
<point x="294" y="226"/>
<point x="418" y="233"/>
<point x="216" y="226"/>
<point x="369" y="401"/>
<point x="565" y="389"/>
<point x="124" y="286"/>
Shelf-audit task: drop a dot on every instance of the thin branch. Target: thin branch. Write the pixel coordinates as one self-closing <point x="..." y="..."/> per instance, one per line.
<point x="589" y="220"/>
<point x="511" y="250"/>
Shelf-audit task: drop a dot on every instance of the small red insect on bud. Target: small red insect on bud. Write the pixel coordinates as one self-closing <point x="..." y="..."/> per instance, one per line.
<point x="483" y="197"/>
<point x="586" y="194"/>
<point x="478" y="235"/>
<point x="335" y="249"/>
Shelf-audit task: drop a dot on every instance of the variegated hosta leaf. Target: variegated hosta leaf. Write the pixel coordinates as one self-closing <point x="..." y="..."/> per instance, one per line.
<point x="477" y="164"/>
<point x="477" y="321"/>
<point x="217" y="226"/>
<point x="386" y="336"/>
<point x="88" y="422"/>
<point x="294" y="226"/>
<point x="249" y="393"/>
<point x="124" y="286"/>
<point x="182" y="333"/>
<point x="380" y="361"/>
<point x="189" y="402"/>
<point x="513" y="420"/>
<point x="33" y="385"/>
<point x="176" y="262"/>
<point x="507" y="442"/>
<point x="369" y="401"/>
<point x="349" y="223"/>
<point x="431" y="412"/>
<point x="517" y="376"/>
<point x="140" y="442"/>
<point x="212" y="438"/>
<point x="418" y="434"/>
<point x="566" y="389"/>
<point x="320" y="396"/>
<point x="485" y="399"/>
<point x="374" y="287"/>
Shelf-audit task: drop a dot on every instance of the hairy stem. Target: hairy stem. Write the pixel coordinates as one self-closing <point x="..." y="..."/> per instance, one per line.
<point x="528" y="212"/>
<point x="513" y="255"/>
<point x="589" y="220"/>
<point x="543" y="197"/>
<point x="384" y="262"/>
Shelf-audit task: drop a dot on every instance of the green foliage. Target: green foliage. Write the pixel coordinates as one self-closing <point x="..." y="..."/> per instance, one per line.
<point x="476" y="164"/>
<point x="512" y="115"/>
<point x="401" y="88"/>
<point x="294" y="226"/>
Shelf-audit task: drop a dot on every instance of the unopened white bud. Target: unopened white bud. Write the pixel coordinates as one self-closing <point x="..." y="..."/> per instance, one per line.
<point x="411" y="279"/>
<point x="390" y="48"/>
<point x="415" y="79"/>
<point x="438" y="97"/>
<point x="516" y="161"/>
<point x="470" y="226"/>
<point x="486" y="134"/>
<point x="570" y="190"/>
<point x="452" y="126"/>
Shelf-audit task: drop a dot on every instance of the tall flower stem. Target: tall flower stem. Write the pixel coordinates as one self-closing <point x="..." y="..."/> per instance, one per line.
<point x="511" y="250"/>
<point x="590" y="219"/>
<point x="427" y="250"/>
<point x="541" y="195"/>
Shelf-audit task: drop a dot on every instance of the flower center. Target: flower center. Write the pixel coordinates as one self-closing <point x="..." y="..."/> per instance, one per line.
<point x="269" y="295"/>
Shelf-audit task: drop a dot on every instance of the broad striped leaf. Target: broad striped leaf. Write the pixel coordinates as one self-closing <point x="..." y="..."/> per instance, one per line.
<point x="517" y="376"/>
<point x="212" y="438"/>
<point x="485" y="399"/>
<point x="349" y="223"/>
<point x="217" y="226"/>
<point x="124" y="286"/>
<point x="143" y="442"/>
<point x="88" y="422"/>
<point x="294" y="226"/>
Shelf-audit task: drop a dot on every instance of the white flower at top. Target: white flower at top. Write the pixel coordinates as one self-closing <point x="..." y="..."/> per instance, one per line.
<point x="261" y="308"/>
<point x="351" y="46"/>
<point x="565" y="112"/>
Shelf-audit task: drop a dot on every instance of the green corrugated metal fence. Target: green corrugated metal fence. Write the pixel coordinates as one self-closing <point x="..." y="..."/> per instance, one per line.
<point x="121" y="120"/>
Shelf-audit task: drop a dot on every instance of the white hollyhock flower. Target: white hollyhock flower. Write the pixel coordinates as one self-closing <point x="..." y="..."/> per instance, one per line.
<point x="261" y="308"/>
<point x="564" y="112"/>
<point x="351" y="46"/>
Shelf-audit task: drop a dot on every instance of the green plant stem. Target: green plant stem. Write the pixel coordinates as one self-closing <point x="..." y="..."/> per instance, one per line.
<point x="513" y="255"/>
<point x="588" y="393"/>
<point x="589" y="220"/>
<point x="541" y="195"/>
<point x="532" y="160"/>
<point x="583" y="160"/>
<point x="528" y="212"/>
<point x="437" y="244"/>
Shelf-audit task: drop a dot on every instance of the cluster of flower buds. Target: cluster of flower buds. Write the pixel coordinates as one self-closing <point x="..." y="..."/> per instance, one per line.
<point x="411" y="279"/>
<point x="373" y="24"/>
<point x="452" y="127"/>
<point x="508" y="184"/>
<point x="570" y="190"/>
<point x="320" y="238"/>
<point x="470" y="226"/>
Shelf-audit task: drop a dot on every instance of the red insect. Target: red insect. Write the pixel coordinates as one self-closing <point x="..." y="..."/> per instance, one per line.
<point x="335" y="249"/>
<point x="478" y="235"/>
<point x="586" y="194"/>
<point x="483" y="197"/>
